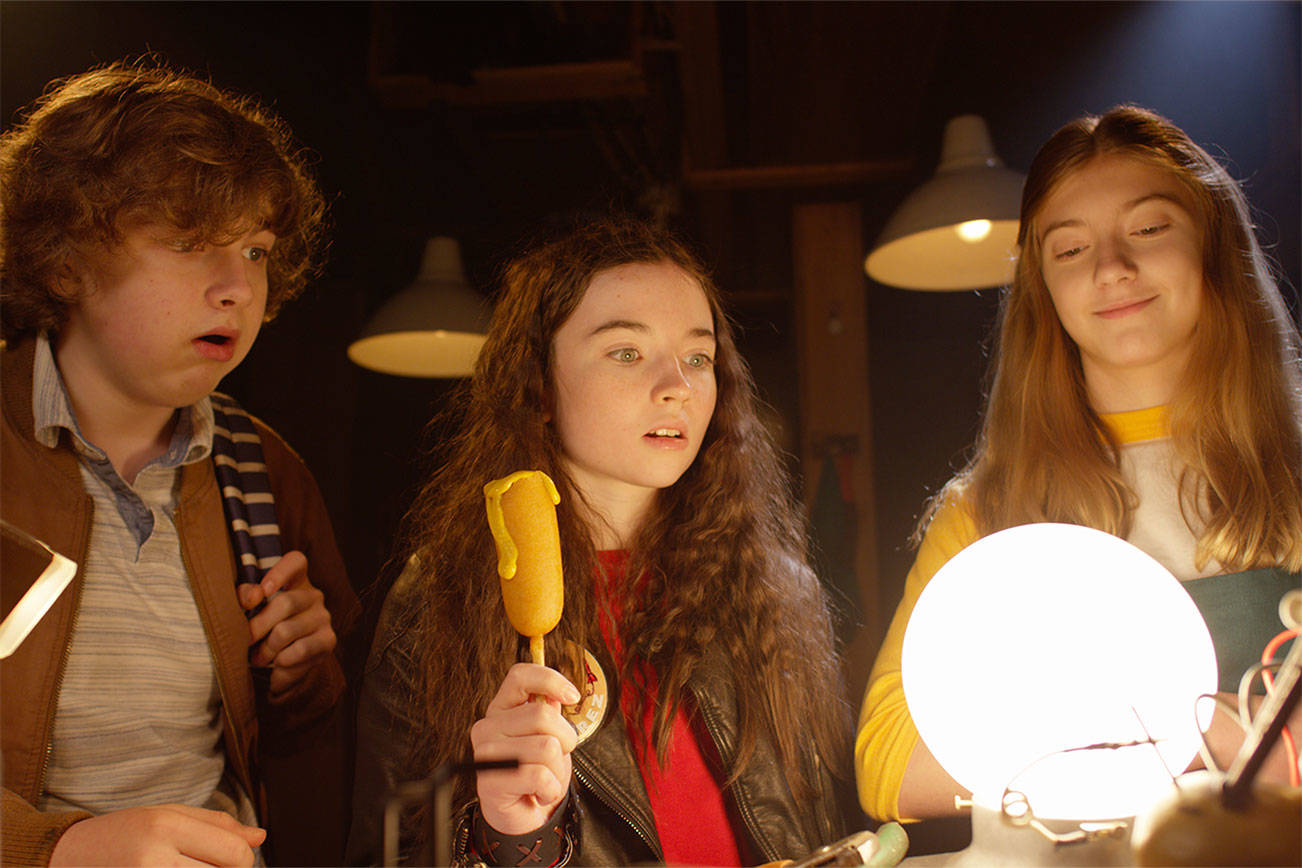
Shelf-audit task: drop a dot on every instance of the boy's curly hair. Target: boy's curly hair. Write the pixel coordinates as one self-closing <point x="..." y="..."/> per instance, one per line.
<point x="137" y="142"/>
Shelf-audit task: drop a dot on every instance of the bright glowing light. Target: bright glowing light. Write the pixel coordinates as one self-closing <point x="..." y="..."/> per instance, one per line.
<point x="1047" y="637"/>
<point x="973" y="230"/>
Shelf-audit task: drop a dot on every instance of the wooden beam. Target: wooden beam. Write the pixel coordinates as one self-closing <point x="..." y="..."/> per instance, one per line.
<point x="696" y="29"/>
<point x="831" y="303"/>
<point x="817" y="175"/>
<point x="705" y="134"/>
<point x="496" y="86"/>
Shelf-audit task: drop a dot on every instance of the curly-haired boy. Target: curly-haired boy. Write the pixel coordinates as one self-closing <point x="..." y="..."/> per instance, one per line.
<point x="149" y="224"/>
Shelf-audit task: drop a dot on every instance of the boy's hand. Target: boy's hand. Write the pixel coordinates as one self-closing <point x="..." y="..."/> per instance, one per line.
<point x="158" y="835"/>
<point x="293" y="631"/>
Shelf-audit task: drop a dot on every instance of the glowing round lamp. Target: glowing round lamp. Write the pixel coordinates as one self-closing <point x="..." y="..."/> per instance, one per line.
<point x="959" y="229"/>
<point x="1042" y="639"/>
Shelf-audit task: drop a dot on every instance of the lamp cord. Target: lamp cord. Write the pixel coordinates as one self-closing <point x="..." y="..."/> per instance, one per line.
<point x="1268" y="678"/>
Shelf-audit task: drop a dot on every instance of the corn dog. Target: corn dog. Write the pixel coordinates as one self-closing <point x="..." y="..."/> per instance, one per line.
<point x="522" y="516"/>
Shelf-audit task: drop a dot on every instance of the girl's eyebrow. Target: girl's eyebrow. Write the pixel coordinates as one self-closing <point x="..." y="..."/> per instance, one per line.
<point x="611" y="325"/>
<point x="634" y="325"/>
<point x="1059" y="224"/>
<point x="1129" y="206"/>
<point x="1167" y="197"/>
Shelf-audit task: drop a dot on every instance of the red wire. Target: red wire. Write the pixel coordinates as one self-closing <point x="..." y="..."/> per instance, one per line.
<point x="1267" y="655"/>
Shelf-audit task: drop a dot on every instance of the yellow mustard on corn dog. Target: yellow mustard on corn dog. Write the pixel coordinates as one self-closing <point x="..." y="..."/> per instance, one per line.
<point x="522" y="516"/>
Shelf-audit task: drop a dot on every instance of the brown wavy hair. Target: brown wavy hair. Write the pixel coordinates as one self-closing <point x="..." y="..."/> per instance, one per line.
<point x="137" y="142"/>
<point x="723" y="552"/>
<point x="1236" y="417"/>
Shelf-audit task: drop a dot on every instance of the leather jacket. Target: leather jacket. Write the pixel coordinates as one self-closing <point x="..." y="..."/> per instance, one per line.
<point x="611" y="821"/>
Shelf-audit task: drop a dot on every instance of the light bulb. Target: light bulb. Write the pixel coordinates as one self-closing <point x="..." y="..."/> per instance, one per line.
<point x="1042" y="639"/>
<point x="973" y="231"/>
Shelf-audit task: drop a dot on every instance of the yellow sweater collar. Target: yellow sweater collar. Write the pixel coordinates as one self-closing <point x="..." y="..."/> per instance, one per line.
<point x="1135" y="426"/>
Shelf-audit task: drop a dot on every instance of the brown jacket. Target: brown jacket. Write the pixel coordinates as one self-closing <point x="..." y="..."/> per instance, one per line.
<point x="41" y="493"/>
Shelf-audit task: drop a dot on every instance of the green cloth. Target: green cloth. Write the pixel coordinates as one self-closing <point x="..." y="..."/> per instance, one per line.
<point x="1242" y="614"/>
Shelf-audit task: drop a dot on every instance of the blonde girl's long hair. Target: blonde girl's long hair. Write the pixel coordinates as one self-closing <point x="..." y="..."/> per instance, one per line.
<point x="1236" y="417"/>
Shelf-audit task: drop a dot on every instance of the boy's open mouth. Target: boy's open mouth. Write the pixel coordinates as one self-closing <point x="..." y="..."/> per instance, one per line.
<point x="218" y="346"/>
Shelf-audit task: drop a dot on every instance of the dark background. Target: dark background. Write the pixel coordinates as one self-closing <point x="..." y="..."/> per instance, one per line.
<point x="410" y="142"/>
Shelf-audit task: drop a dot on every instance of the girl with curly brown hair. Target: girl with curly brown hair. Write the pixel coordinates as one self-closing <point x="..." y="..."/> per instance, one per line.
<point x="611" y="366"/>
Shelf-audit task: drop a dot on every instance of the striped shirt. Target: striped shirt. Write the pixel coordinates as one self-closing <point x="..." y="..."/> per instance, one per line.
<point x="138" y="720"/>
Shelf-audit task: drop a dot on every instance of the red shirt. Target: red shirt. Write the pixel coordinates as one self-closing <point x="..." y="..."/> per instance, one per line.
<point x="686" y="799"/>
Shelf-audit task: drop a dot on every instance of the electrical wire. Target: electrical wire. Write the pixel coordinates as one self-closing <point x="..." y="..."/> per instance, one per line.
<point x="1267" y="678"/>
<point x="1204" y="748"/>
<point x="1245" y="689"/>
<point x="1242" y="715"/>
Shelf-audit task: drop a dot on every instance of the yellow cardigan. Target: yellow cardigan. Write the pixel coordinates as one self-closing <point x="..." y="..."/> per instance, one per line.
<point x="886" y="734"/>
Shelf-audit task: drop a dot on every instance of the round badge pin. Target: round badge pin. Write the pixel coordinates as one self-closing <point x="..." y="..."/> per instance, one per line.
<point x="587" y="715"/>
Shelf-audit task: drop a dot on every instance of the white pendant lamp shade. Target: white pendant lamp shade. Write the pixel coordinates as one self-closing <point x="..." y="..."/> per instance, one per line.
<point x="433" y="328"/>
<point x="959" y="229"/>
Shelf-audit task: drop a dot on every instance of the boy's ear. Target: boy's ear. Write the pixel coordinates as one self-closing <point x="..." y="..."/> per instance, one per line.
<point x="68" y="282"/>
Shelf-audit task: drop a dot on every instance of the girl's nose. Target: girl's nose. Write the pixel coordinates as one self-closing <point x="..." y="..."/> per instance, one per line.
<point x="672" y="383"/>
<point x="1112" y="263"/>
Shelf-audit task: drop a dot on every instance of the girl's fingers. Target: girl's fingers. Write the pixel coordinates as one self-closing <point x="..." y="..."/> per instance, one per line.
<point x="526" y="680"/>
<point x="542" y="750"/>
<point x="529" y="720"/>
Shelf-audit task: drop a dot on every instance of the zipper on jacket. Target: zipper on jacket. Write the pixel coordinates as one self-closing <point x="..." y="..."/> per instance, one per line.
<point x="64" y="657"/>
<point x="743" y="805"/>
<point x="460" y="847"/>
<point x="229" y="724"/>
<point x="58" y="688"/>
<point x="633" y="824"/>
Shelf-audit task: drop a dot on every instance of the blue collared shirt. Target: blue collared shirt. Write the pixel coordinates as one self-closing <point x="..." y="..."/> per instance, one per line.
<point x="191" y="439"/>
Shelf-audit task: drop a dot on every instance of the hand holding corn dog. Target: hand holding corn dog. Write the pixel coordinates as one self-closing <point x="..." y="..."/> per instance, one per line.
<point x="524" y="720"/>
